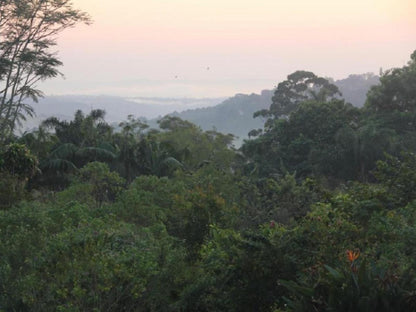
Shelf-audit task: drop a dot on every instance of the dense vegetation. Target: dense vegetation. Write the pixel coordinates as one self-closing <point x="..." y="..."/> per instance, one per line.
<point x="241" y="107"/>
<point x="316" y="213"/>
<point x="215" y="113"/>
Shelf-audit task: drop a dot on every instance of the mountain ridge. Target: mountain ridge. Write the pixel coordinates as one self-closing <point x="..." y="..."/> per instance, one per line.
<point x="228" y="115"/>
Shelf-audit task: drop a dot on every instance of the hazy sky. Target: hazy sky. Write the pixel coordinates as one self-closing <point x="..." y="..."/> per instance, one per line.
<point x="210" y="48"/>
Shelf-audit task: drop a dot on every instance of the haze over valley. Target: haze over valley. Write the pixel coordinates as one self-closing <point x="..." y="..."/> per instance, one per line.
<point x="228" y="115"/>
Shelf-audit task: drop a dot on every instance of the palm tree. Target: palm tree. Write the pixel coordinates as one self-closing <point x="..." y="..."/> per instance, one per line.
<point x="80" y="141"/>
<point x="156" y="160"/>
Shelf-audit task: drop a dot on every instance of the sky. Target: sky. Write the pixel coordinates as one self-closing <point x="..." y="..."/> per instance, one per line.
<point x="216" y="48"/>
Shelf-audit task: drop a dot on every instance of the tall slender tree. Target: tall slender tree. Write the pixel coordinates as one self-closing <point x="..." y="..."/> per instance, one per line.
<point x="28" y="31"/>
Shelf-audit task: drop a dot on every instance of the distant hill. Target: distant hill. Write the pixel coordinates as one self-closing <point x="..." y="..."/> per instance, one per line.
<point x="235" y="115"/>
<point x="117" y="108"/>
<point x="354" y="88"/>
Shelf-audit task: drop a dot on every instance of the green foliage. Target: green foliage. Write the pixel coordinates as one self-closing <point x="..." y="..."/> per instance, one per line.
<point x="195" y="211"/>
<point x="94" y="185"/>
<point x="148" y="200"/>
<point x="187" y="210"/>
<point x="280" y="200"/>
<point x="299" y="87"/>
<point x="195" y="148"/>
<point x="28" y="32"/>
<point x="17" y="165"/>
<point x="396" y="91"/>
<point x="65" y="258"/>
<point x="19" y="161"/>
<point x="378" y="280"/>
<point x="398" y="175"/>
<point x="99" y="265"/>
<point x="240" y="272"/>
<point x="308" y="142"/>
<point x="105" y="185"/>
<point x="198" y="226"/>
<point x="358" y="286"/>
<point x="156" y="159"/>
<point x="174" y="123"/>
<point x="89" y="130"/>
<point x="80" y="141"/>
<point x="12" y="190"/>
<point x="39" y="141"/>
<point x="130" y="159"/>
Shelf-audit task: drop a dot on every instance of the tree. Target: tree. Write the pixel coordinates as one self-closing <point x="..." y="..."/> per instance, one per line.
<point x="398" y="175"/>
<point x="19" y="161"/>
<point x="28" y="30"/>
<point x="83" y="131"/>
<point x="299" y="87"/>
<point x="82" y="140"/>
<point x="307" y="142"/>
<point x="156" y="159"/>
<point x="396" y="91"/>
<point x="127" y="141"/>
<point x="193" y="147"/>
<point x="104" y="184"/>
<point x="17" y="165"/>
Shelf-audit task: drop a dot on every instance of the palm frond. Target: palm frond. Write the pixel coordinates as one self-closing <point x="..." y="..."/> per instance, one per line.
<point x="64" y="151"/>
<point x="58" y="164"/>
<point x="96" y="153"/>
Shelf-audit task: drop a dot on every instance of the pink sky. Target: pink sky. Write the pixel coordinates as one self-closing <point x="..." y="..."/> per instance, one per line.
<point x="164" y="47"/>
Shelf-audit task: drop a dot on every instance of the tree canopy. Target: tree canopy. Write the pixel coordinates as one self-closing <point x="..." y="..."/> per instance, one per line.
<point x="299" y="87"/>
<point x="397" y="90"/>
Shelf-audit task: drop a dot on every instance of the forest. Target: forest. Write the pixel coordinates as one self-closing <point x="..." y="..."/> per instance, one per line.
<point x="315" y="212"/>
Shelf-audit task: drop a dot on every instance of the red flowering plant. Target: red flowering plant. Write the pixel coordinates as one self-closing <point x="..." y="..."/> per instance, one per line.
<point x="352" y="257"/>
